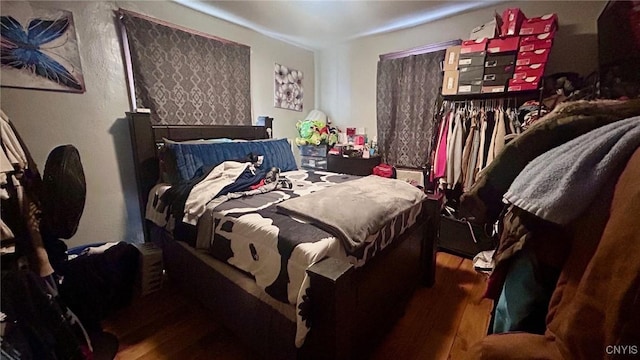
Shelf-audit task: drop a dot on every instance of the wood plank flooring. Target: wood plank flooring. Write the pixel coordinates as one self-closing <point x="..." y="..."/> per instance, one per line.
<point x="441" y="322"/>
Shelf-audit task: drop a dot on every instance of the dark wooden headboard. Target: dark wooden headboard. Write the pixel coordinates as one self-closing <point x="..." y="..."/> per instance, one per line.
<point x="147" y="138"/>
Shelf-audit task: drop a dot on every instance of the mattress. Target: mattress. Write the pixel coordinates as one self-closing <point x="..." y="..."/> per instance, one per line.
<point x="274" y="248"/>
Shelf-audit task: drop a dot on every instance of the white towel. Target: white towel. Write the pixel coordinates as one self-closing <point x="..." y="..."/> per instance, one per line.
<point x="561" y="183"/>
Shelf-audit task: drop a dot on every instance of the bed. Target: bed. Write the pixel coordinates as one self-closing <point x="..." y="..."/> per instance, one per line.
<point x="352" y="307"/>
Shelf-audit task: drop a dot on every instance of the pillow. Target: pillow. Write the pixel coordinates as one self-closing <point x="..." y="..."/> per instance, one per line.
<point x="198" y="141"/>
<point x="189" y="157"/>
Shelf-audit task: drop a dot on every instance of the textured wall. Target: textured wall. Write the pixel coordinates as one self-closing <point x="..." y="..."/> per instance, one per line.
<point x="94" y="121"/>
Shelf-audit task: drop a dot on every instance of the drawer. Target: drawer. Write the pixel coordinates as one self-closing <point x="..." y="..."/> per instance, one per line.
<point x="313" y="162"/>
<point x="312" y="150"/>
<point x="352" y="166"/>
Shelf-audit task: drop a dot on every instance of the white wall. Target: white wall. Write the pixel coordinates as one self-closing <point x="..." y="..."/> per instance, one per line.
<point x="94" y="121"/>
<point x="346" y="77"/>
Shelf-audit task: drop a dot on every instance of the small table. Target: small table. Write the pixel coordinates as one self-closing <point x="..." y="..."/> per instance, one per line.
<point x="352" y="165"/>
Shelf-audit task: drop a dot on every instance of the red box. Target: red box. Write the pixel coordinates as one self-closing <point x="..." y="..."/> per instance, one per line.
<point x="500" y="45"/>
<point x="471" y="46"/>
<point x="543" y="24"/>
<point x="530" y="83"/>
<point x="512" y="19"/>
<point x="533" y="57"/>
<point x="526" y="71"/>
<point x="536" y="42"/>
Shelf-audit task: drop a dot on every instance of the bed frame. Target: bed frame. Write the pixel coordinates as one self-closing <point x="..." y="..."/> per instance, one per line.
<point x="352" y="308"/>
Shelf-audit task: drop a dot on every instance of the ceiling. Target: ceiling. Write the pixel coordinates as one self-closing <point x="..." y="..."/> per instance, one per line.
<point x="316" y="25"/>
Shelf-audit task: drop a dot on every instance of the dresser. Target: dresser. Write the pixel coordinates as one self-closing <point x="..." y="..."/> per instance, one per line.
<point x="352" y="165"/>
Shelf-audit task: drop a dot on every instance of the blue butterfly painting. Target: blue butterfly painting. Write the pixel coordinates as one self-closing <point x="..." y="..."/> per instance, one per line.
<point x="25" y="49"/>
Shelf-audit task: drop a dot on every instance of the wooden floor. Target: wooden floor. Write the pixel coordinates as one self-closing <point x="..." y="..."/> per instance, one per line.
<point x="439" y="323"/>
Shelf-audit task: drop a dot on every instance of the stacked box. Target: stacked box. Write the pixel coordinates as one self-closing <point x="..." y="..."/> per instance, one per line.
<point x="471" y="66"/>
<point x="313" y="157"/>
<point x="450" y="67"/>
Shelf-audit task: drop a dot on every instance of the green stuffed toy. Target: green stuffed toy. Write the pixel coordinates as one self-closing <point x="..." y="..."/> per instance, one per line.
<point x="315" y="132"/>
<point x="308" y="133"/>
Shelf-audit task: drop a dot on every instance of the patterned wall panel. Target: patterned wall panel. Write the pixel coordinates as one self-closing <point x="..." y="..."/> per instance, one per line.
<point x="185" y="77"/>
<point x="406" y="94"/>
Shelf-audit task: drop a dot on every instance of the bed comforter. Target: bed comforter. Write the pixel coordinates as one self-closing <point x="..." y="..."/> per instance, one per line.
<point x="276" y="249"/>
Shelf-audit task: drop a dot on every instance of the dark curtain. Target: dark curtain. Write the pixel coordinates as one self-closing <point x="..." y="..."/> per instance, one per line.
<point x="406" y="93"/>
<point x="187" y="78"/>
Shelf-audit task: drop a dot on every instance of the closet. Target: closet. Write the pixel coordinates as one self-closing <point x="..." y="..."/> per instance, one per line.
<point x="470" y="134"/>
<point x="489" y="90"/>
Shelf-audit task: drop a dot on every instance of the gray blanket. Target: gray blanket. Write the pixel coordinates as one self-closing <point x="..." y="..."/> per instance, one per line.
<point x="559" y="184"/>
<point x="355" y="209"/>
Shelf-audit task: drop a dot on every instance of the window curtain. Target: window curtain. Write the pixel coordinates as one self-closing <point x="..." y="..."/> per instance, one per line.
<point x="185" y="77"/>
<point x="406" y="93"/>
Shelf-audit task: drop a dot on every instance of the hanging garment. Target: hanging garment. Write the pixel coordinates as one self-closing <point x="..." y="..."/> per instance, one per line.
<point x="454" y="155"/>
<point x="13" y="152"/>
<point x="440" y="164"/>
<point x="468" y="147"/>
<point x="483" y="131"/>
<point x="491" y="122"/>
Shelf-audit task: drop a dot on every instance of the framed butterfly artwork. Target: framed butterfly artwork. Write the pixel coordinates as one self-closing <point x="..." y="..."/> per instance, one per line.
<point x="39" y="49"/>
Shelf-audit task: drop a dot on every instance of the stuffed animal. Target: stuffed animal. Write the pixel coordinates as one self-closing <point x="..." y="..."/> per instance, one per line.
<point x="313" y="130"/>
<point x="307" y="133"/>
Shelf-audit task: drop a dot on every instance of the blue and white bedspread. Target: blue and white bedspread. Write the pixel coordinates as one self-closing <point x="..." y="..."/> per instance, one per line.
<point x="276" y="249"/>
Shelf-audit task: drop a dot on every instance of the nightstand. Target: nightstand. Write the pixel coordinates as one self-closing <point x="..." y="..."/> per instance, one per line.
<point x="352" y="165"/>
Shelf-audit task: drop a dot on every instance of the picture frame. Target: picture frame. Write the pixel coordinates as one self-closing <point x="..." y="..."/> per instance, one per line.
<point x="288" y="92"/>
<point x="39" y="49"/>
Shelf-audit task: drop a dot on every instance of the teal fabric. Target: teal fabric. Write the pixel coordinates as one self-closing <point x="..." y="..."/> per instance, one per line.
<point x="524" y="301"/>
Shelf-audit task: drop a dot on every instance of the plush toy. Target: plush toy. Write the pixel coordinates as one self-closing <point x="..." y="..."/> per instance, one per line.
<point x="315" y="129"/>
<point x="308" y="134"/>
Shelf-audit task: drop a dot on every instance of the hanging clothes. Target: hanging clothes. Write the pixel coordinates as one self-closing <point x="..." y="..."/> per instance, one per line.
<point x="469" y="137"/>
<point x="454" y="153"/>
<point x="440" y="163"/>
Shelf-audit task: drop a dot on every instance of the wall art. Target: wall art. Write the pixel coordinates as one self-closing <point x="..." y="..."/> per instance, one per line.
<point x="288" y="88"/>
<point x="39" y="49"/>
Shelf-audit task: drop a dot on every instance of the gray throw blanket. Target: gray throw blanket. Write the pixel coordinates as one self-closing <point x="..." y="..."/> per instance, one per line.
<point x="355" y="209"/>
<point x="559" y="184"/>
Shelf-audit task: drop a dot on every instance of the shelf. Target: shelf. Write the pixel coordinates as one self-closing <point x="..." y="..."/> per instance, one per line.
<point x="488" y="96"/>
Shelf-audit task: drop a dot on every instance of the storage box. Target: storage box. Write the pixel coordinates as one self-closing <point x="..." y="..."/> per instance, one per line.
<point x="494" y="89"/>
<point x="488" y="30"/>
<point x="473" y="46"/>
<point x="471" y="75"/>
<point x="526" y="84"/>
<point x="151" y="268"/>
<point x="512" y="20"/>
<point x="533" y="57"/>
<point x="313" y="162"/>
<point x="536" y="42"/>
<point x="469" y="89"/>
<point x="450" y="82"/>
<point x="499" y="60"/>
<point x="525" y="71"/>
<point x="471" y="59"/>
<point x="451" y="58"/>
<point x="543" y="24"/>
<point x="496" y="79"/>
<point x="501" y="45"/>
<point x="313" y="150"/>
